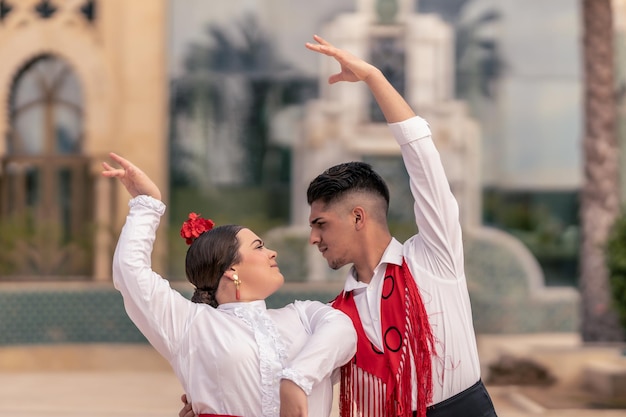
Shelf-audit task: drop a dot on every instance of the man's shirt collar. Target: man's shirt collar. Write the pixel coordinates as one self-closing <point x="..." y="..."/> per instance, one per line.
<point x="392" y="255"/>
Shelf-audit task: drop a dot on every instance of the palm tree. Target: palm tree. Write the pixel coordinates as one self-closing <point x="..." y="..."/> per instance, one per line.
<point x="479" y="63"/>
<point x="599" y="198"/>
<point x="237" y="80"/>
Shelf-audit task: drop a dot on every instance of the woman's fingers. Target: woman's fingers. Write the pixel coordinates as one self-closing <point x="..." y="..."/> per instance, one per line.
<point x="111" y="171"/>
<point x="124" y="163"/>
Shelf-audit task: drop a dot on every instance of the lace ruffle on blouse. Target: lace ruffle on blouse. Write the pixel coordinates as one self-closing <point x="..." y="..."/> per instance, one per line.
<point x="149" y="202"/>
<point x="272" y="354"/>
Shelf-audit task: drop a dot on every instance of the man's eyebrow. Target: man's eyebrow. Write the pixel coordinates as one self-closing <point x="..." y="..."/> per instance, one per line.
<point x="315" y="221"/>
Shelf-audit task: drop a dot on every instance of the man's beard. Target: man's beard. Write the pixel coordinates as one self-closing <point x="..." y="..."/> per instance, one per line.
<point x="335" y="264"/>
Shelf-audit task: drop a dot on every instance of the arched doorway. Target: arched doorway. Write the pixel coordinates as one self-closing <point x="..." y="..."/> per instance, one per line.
<point x="46" y="190"/>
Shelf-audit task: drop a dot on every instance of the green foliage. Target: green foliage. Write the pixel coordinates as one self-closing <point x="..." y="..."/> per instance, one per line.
<point x="616" y="263"/>
<point x="42" y="249"/>
<point x="291" y="254"/>
<point x="256" y="208"/>
<point x="546" y="222"/>
<point x="402" y="230"/>
<point x="8" y="242"/>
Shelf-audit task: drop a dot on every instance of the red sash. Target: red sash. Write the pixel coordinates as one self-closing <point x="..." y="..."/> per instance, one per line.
<point x="378" y="383"/>
<point x="215" y="415"/>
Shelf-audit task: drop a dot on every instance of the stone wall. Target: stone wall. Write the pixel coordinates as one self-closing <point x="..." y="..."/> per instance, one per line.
<point x="507" y="288"/>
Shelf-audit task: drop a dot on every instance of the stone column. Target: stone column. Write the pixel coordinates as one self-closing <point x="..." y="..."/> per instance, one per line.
<point x="103" y="237"/>
<point x="619" y="19"/>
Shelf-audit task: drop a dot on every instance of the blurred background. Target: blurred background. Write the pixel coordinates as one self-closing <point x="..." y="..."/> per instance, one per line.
<point x="223" y="106"/>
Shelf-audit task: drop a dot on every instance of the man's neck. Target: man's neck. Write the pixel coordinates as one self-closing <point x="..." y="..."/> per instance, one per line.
<point x="364" y="270"/>
<point x="364" y="276"/>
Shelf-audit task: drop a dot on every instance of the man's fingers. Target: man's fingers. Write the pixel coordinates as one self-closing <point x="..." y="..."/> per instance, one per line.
<point x="322" y="46"/>
<point x="316" y="48"/>
<point x="325" y="47"/>
<point x="321" y="40"/>
<point x="322" y="49"/>
<point x="335" y="78"/>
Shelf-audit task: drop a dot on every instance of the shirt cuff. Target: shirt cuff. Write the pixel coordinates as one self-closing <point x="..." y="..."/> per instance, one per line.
<point x="410" y="130"/>
<point x="294" y="376"/>
<point x="148" y="202"/>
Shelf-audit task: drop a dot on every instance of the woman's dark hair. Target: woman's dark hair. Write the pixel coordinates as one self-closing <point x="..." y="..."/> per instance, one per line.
<point x="208" y="257"/>
<point x="342" y="179"/>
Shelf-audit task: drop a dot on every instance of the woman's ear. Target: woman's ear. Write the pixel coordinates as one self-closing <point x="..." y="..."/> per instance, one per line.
<point x="230" y="274"/>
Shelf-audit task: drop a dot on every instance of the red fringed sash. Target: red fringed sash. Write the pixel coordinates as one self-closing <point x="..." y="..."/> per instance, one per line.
<point x="378" y="383"/>
<point x="214" y="415"/>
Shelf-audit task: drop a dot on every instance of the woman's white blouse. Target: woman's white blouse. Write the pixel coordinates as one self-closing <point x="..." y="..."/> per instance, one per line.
<point x="229" y="360"/>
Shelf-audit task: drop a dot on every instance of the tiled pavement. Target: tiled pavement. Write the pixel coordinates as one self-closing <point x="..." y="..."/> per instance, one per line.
<point x="155" y="394"/>
<point x="132" y="381"/>
<point x="94" y="393"/>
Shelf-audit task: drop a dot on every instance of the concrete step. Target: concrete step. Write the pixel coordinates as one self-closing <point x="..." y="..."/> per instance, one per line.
<point x="606" y="378"/>
<point x="81" y="357"/>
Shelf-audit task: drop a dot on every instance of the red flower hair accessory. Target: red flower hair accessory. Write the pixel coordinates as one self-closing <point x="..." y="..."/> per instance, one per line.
<point x="194" y="226"/>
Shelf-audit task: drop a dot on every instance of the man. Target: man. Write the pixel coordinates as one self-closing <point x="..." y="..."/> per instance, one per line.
<point x="416" y="352"/>
<point x="428" y="324"/>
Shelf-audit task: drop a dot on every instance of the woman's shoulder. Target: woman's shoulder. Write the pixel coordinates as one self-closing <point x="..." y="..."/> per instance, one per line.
<point x="315" y="308"/>
<point x="310" y="303"/>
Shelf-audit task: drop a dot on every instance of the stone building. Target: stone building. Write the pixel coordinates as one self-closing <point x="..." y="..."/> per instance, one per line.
<point x="79" y="78"/>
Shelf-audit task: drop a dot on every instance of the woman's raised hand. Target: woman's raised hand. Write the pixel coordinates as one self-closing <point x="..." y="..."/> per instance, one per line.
<point x="133" y="178"/>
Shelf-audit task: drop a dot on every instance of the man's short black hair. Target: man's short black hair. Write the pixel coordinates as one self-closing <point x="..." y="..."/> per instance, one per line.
<point x="347" y="177"/>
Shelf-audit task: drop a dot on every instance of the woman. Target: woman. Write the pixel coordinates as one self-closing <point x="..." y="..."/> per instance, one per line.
<point x="232" y="355"/>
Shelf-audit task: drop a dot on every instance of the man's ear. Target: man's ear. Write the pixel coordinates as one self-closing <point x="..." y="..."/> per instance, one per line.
<point x="358" y="214"/>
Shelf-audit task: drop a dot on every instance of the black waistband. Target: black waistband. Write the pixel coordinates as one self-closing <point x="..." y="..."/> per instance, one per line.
<point x="474" y="401"/>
